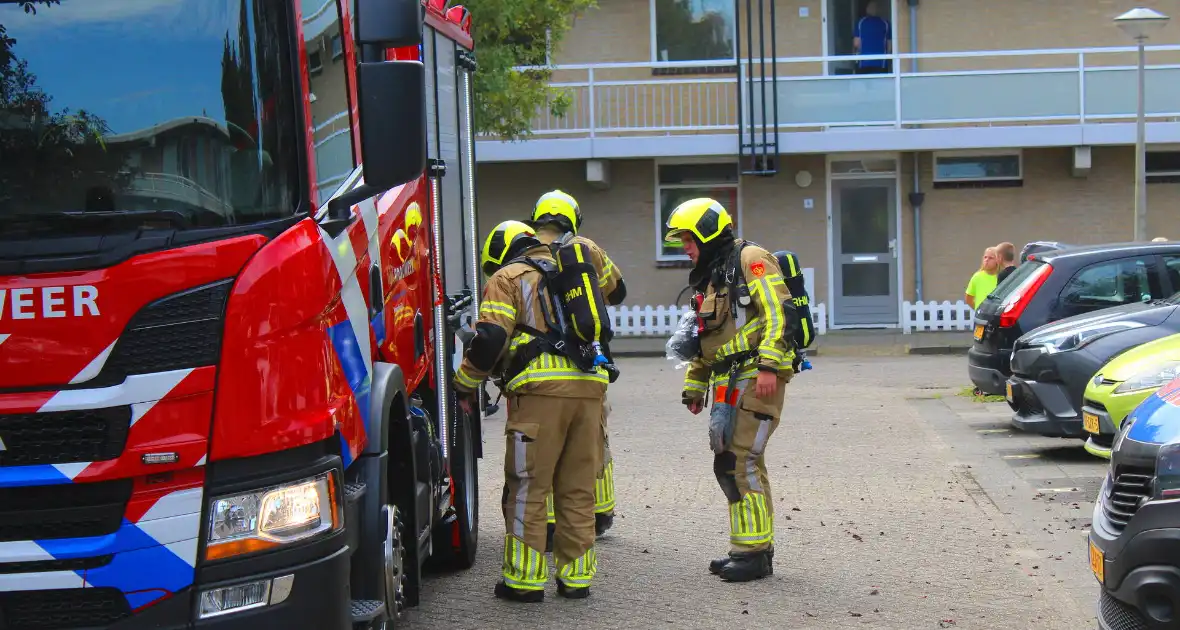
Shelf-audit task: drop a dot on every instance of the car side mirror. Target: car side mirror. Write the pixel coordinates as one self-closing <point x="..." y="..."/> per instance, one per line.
<point x="392" y="107"/>
<point x="389" y="23"/>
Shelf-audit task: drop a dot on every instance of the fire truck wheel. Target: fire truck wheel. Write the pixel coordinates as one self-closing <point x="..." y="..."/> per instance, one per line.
<point x="394" y="559"/>
<point x="458" y="541"/>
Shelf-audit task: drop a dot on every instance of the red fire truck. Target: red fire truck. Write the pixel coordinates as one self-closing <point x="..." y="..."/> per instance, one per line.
<point x="225" y="339"/>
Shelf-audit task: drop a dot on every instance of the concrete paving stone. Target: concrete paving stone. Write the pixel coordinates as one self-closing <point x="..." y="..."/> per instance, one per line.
<point x="890" y="513"/>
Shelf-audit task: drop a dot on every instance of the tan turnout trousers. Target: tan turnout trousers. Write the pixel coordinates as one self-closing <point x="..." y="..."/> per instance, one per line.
<point x="741" y="470"/>
<point x="552" y="443"/>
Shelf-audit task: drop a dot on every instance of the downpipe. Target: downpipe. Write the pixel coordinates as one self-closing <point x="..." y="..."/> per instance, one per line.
<point x="917" y="196"/>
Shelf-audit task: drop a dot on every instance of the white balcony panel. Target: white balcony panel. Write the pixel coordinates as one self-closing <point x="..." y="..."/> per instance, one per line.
<point x="1113" y="93"/>
<point x="829" y="101"/>
<point x="999" y="96"/>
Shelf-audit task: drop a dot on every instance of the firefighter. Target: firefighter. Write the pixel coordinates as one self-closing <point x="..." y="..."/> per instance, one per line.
<point x="554" y="427"/>
<point x="557" y="218"/>
<point x="746" y="368"/>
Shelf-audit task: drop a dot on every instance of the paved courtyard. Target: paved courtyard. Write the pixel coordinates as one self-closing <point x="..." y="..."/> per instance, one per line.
<point x="899" y="505"/>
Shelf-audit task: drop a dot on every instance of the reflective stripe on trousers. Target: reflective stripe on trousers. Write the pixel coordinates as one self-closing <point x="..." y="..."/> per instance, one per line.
<point x="524" y="567"/>
<point x="749" y="521"/>
<point x="580" y="572"/>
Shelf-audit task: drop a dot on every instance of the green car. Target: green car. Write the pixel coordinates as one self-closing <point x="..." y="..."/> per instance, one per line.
<point x="1123" y="383"/>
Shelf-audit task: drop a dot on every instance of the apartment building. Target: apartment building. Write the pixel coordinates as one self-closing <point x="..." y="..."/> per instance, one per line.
<point x="1012" y="121"/>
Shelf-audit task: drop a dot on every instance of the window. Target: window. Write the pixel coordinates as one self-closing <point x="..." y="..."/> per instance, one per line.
<point x="678" y="183"/>
<point x="694" y="30"/>
<point x="337" y="47"/>
<point x="331" y="123"/>
<point x="954" y="169"/>
<point x="1109" y="284"/>
<point x="1163" y="167"/>
<point x="1172" y="266"/>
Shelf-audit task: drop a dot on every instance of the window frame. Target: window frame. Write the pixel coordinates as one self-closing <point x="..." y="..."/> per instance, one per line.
<point x="655" y="47"/>
<point x="329" y="184"/>
<point x="336" y="40"/>
<point x="735" y="213"/>
<point x="1017" y="153"/>
<point x="317" y="69"/>
<point x="1161" y="177"/>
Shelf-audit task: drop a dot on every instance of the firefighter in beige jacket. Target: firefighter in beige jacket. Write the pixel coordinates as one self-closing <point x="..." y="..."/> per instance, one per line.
<point x="746" y="367"/>
<point x="557" y="219"/>
<point x="553" y="434"/>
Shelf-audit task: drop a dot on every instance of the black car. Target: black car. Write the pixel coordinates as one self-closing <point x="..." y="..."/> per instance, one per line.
<point x="1052" y="365"/>
<point x="1134" y="541"/>
<point x="1055" y="284"/>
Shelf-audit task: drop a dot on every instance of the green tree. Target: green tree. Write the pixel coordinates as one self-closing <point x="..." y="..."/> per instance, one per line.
<point x="511" y="33"/>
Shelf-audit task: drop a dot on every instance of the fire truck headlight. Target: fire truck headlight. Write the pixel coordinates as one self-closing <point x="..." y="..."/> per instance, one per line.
<point x="264" y="519"/>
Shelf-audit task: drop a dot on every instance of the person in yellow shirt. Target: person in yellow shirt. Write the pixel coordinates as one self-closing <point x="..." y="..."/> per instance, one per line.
<point x="983" y="282"/>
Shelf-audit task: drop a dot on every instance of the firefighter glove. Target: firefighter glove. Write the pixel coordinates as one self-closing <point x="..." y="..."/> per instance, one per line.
<point x="721" y="421"/>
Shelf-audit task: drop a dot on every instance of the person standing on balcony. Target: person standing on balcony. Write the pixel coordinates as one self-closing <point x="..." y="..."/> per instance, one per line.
<point x="873" y="36"/>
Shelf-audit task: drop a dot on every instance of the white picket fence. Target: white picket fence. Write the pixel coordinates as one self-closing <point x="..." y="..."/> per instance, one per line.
<point x="660" y="321"/>
<point x="920" y="316"/>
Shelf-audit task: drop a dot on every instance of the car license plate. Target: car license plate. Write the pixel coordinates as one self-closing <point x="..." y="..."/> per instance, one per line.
<point x="1090" y="422"/>
<point x="979" y="332"/>
<point x="1008" y="394"/>
<point x="1096" y="561"/>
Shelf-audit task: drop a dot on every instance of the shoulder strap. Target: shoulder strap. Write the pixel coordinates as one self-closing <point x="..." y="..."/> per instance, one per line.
<point x="735" y="280"/>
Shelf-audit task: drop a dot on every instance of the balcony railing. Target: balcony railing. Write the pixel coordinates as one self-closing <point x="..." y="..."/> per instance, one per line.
<point x="1078" y="85"/>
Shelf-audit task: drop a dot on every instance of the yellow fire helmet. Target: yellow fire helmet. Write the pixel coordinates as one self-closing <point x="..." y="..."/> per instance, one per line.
<point x="506" y="241"/>
<point x="704" y="217"/>
<point x="558" y="206"/>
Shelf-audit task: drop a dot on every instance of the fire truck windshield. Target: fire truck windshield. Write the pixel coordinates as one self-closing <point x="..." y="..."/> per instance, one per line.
<point x="145" y="109"/>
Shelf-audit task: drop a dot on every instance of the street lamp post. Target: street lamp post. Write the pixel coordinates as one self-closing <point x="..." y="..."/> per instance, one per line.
<point x="1139" y="24"/>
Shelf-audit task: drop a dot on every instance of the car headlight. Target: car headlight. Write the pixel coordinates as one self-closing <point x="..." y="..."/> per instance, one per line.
<point x="263" y="519"/>
<point x="1153" y="377"/>
<point x="1167" y="472"/>
<point x="1078" y="338"/>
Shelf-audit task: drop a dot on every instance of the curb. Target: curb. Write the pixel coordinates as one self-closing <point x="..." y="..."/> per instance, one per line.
<point x="937" y="350"/>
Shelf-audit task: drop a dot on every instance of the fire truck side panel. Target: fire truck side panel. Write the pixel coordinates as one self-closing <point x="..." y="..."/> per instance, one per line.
<point x="402" y="326"/>
<point x="301" y="366"/>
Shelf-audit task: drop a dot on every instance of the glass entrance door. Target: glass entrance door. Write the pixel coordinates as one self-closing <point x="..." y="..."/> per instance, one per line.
<point x="864" y="238"/>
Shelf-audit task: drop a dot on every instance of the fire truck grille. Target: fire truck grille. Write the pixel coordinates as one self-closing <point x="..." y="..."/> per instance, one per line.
<point x="176" y="332"/>
<point x="62" y="609"/>
<point x="75" y="510"/>
<point x="62" y="437"/>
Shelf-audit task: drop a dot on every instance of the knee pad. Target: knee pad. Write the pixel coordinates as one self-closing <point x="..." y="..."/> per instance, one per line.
<point x="723" y="467"/>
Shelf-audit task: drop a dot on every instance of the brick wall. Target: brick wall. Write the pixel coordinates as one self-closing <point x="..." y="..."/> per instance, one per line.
<point x="957" y="224"/>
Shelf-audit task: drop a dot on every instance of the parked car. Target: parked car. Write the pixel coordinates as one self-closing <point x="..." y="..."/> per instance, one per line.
<point x="1123" y="383"/>
<point x="1135" y="531"/>
<point x="1060" y="283"/>
<point x="1052" y="365"/>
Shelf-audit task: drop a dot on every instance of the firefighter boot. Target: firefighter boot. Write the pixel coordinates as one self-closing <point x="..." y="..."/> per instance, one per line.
<point x="602" y="522"/>
<point x="570" y="592"/>
<point x="715" y="566"/>
<point x="503" y="591"/>
<point x="747" y="566"/>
